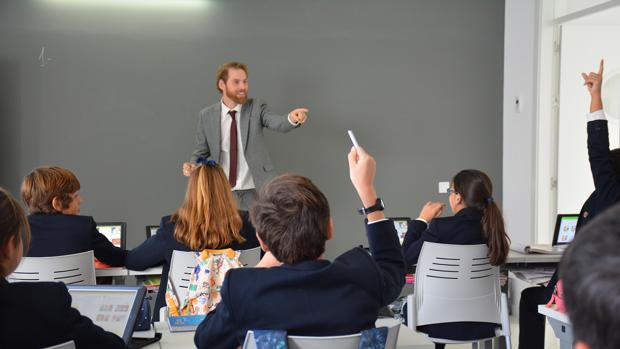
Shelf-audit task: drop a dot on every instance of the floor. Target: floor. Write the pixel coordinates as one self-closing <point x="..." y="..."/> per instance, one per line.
<point x="551" y="342"/>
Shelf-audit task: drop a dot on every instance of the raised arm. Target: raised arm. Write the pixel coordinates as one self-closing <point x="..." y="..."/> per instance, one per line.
<point x="605" y="178"/>
<point x="382" y="239"/>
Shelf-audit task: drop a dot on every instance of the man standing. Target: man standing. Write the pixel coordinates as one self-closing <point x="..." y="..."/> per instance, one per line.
<point x="230" y="132"/>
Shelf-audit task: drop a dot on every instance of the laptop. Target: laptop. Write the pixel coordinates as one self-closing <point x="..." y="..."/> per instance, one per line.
<point x="116" y="232"/>
<point x="151" y="230"/>
<point x="113" y="308"/>
<point x="401" y="224"/>
<point x="565" y="227"/>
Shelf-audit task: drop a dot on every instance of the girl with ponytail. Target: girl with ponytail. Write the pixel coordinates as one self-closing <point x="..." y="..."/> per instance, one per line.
<point x="477" y="220"/>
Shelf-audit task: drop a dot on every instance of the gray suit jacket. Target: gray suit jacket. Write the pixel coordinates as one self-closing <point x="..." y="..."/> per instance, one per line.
<point x="255" y="115"/>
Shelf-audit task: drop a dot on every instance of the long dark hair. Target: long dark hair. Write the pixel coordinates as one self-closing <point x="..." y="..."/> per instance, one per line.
<point x="476" y="189"/>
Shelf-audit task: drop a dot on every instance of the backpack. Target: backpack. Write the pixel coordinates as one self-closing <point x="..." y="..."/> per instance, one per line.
<point x="204" y="284"/>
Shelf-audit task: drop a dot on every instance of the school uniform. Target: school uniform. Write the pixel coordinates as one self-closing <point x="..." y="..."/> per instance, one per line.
<point x="39" y="314"/>
<point x="606" y="193"/>
<point x="157" y="250"/>
<point x="464" y="228"/>
<point x="313" y="298"/>
<point x="55" y="234"/>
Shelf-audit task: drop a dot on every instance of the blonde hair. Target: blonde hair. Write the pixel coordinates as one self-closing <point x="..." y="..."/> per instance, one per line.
<point x="208" y="217"/>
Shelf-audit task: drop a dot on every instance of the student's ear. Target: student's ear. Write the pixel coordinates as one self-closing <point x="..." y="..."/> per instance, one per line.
<point x="57" y="204"/>
<point x="581" y="345"/>
<point x="330" y="229"/>
<point x="263" y="245"/>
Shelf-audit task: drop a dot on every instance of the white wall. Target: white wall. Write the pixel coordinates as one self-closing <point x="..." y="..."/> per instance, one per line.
<point x="582" y="48"/>
<point x="519" y="128"/>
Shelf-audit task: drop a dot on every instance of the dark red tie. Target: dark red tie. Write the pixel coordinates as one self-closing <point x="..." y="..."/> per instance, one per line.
<point x="232" y="173"/>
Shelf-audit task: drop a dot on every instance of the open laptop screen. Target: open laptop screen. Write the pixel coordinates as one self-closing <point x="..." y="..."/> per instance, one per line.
<point x="565" y="227"/>
<point x="113" y="308"/>
<point x="401" y="224"/>
<point x="115" y="232"/>
<point x="151" y="230"/>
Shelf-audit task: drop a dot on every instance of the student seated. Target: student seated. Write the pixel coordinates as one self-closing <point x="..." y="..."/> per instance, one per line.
<point x="590" y="273"/>
<point x="51" y="194"/>
<point x="207" y="219"/>
<point x="308" y="295"/>
<point x="477" y="220"/>
<point x="37" y="314"/>
<point x="605" y="167"/>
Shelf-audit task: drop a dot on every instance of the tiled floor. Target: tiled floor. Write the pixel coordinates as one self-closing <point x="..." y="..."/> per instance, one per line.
<point x="550" y="341"/>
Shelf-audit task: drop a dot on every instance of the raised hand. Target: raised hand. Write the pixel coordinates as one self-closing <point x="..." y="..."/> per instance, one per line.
<point x="593" y="81"/>
<point x="431" y="210"/>
<point x="299" y="115"/>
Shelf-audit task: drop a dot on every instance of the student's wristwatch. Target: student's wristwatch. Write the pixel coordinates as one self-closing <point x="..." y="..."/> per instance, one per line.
<point x="378" y="206"/>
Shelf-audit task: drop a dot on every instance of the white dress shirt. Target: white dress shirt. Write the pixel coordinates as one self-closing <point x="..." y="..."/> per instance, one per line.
<point x="244" y="177"/>
<point x="597" y="115"/>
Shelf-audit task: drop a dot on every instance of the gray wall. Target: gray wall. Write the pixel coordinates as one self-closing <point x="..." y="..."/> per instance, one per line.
<point x="420" y="82"/>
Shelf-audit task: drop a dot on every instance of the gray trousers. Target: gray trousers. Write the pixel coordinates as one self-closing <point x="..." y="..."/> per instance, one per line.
<point x="244" y="198"/>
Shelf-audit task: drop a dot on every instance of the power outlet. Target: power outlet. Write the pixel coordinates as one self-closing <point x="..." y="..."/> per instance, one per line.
<point x="443" y="187"/>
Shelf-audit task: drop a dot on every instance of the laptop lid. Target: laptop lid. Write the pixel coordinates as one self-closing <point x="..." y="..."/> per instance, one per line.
<point x="151" y="230"/>
<point x="401" y="224"/>
<point x="116" y="232"/>
<point x="565" y="227"/>
<point x="111" y="307"/>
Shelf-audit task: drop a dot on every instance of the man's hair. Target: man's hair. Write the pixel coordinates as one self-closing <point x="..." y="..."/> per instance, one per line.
<point x="590" y="272"/>
<point x="291" y="216"/>
<point x="222" y="72"/>
<point x="43" y="184"/>
<point x="13" y="224"/>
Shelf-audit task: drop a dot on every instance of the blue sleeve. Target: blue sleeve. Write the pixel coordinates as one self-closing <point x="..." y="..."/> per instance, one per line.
<point x="606" y="181"/>
<point x="218" y="330"/>
<point x="82" y="330"/>
<point x="414" y="239"/>
<point x="104" y="250"/>
<point x="151" y="252"/>
<point x="385" y="250"/>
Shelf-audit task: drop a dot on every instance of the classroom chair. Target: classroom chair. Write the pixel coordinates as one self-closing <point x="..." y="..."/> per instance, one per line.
<point x="71" y="269"/>
<point x="457" y="283"/>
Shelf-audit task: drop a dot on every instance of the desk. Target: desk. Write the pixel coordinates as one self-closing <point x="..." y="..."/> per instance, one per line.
<point x="560" y="324"/>
<point x="407" y="339"/>
<point x="121" y="271"/>
<point x="515" y="257"/>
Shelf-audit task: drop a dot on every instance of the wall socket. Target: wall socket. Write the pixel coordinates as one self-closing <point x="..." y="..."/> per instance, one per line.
<point x="443" y="187"/>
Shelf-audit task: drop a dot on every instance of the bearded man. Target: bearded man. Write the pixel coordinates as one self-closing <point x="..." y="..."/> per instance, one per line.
<point x="230" y="132"/>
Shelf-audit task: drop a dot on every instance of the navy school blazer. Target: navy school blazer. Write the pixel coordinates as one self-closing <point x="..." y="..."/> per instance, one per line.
<point x="314" y="298"/>
<point x="39" y="314"/>
<point x="157" y="250"/>
<point x="60" y="234"/>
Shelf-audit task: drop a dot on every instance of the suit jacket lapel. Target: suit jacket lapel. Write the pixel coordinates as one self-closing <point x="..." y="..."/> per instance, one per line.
<point x="245" y="125"/>
<point x="214" y="132"/>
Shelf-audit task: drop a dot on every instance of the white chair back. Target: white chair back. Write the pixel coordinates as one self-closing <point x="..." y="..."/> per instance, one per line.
<point x="72" y="269"/>
<point x="306" y="342"/>
<point x="182" y="265"/>
<point x="250" y="257"/>
<point x="456" y="283"/>
<point x="65" y="345"/>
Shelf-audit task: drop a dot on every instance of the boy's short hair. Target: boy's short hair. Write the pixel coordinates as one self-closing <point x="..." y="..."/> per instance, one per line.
<point x="590" y="272"/>
<point x="45" y="183"/>
<point x="291" y="216"/>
